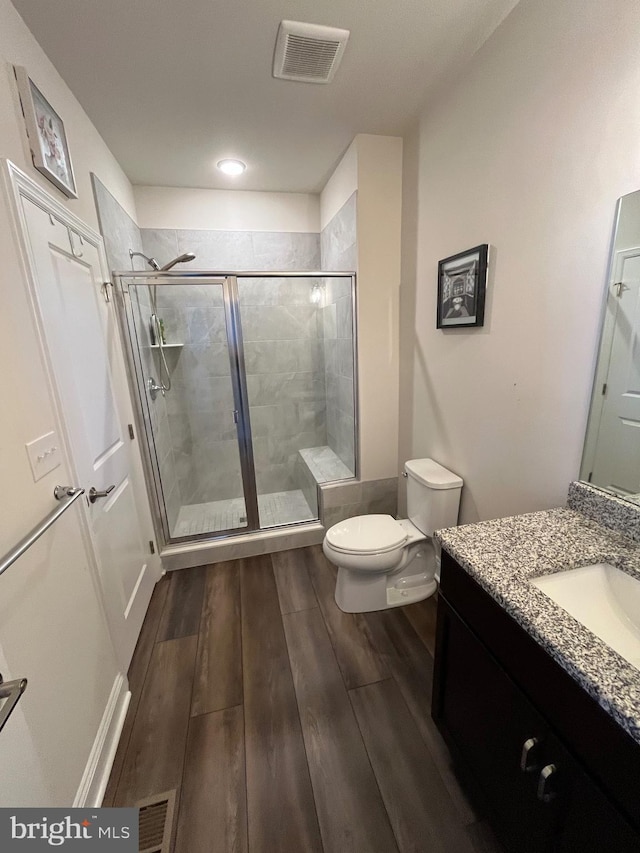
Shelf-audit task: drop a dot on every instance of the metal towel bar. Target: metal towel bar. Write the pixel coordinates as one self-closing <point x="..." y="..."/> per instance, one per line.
<point x="66" y="494"/>
<point x="11" y="691"/>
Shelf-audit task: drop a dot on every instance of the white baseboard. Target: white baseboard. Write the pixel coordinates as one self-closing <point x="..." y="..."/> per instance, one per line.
<point x="96" y="773"/>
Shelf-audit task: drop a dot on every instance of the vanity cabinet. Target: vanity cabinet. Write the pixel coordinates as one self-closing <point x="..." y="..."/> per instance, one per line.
<point x="517" y="728"/>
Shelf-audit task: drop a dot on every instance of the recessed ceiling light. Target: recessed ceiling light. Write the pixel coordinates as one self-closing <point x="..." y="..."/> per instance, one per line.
<point x="232" y="167"/>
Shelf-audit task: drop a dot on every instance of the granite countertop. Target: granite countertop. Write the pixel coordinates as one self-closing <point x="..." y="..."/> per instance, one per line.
<point x="503" y="554"/>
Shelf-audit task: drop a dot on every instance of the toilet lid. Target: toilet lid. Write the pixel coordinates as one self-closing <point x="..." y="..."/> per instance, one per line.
<point x="366" y="534"/>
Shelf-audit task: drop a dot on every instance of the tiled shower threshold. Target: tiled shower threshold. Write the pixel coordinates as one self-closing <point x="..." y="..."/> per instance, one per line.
<point x="241" y="545"/>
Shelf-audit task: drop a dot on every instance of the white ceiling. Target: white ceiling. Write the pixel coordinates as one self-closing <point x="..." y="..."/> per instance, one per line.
<point x="173" y="86"/>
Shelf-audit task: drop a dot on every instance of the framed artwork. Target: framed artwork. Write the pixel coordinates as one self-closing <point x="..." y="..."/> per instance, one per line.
<point x="462" y="283"/>
<point x="47" y="137"/>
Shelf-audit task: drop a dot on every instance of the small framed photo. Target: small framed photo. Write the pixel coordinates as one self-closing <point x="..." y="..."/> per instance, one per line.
<point x="47" y="137"/>
<point x="462" y="283"/>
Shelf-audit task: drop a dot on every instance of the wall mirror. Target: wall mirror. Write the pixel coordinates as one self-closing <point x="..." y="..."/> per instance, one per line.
<point x="611" y="457"/>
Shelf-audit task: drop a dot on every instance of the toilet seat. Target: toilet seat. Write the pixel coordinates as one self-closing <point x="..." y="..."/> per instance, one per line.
<point x="367" y="534"/>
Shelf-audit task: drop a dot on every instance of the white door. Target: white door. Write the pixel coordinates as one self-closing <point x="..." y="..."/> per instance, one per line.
<point x="617" y="458"/>
<point x="83" y="348"/>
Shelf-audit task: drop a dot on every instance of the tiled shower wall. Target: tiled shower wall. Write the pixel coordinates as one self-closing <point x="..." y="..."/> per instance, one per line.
<point x="283" y="356"/>
<point x="284" y="362"/>
<point x="200" y="403"/>
<point x="339" y="252"/>
<point x="120" y="233"/>
<point x="230" y="251"/>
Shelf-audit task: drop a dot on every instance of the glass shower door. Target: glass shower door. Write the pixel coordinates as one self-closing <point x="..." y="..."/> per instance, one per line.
<point x="283" y="341"/>
<point x="182" y="331"/>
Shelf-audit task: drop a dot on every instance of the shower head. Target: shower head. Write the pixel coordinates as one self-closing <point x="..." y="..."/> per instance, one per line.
<point x="181" y="259"/>
<point x="151" y="261"/>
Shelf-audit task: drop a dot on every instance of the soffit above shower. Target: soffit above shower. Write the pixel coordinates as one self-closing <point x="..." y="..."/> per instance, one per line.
<point x="174" y="87"/>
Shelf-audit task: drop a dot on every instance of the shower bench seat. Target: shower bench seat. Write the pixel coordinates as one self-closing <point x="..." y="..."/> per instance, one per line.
<point x="317" y="465"/>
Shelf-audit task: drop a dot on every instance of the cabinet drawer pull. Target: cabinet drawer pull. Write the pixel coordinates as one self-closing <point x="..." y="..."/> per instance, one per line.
<point x="545" y="782"/>
<point x="528" y="755"/>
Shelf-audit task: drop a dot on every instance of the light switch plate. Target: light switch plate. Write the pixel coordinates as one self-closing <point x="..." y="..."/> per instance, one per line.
<point x="44" y="455"/>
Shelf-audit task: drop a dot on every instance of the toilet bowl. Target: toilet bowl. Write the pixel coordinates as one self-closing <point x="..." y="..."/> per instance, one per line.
<point x="383" y="562"/>
<point x="385" y="572"/>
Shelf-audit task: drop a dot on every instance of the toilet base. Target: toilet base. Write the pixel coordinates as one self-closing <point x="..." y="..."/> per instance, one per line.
<point x="366" y="592"/>
<point x="400" y="597"/>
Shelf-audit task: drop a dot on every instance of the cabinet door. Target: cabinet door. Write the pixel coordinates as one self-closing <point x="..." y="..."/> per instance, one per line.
<point x="487" y="721"/>
<point x="591" y="823"/>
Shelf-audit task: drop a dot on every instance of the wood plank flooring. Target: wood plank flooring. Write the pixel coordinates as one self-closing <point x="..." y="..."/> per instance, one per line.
<point x="281" y="811"/>
<point x="285" y="725"/>
<point x="218" y="676"/>
<point x="213" y="792"/>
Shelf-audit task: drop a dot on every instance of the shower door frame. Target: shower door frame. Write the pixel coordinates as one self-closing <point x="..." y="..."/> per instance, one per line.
<point x="133" y="358"/>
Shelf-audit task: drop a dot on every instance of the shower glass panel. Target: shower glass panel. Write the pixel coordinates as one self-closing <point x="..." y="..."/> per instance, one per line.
<point x="246" y="391"/>
<point x="297" y="334"/>
<point x="192" y="429"/>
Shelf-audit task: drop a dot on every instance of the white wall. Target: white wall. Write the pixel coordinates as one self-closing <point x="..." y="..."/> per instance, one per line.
<point x="379" y="212"/>
<point x="49" y="609"/>
<point x="528" y="151"/>
<point x="372" y="166"/>
<point x="88" y="150"/>
<point x="340" y="186"/>
<point x="226" y="210"/>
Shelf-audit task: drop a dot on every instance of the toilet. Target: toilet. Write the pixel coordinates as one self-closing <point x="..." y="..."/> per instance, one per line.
<point x="383" y="562"/>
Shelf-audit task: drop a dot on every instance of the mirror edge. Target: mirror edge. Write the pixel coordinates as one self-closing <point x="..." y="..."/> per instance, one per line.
<point x="600" y="367"/>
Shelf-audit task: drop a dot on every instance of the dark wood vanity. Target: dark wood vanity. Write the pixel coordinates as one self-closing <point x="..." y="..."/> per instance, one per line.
<point x="554" y="770"/>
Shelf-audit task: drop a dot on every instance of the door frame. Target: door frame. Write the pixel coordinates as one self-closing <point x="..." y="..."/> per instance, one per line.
<point x="241" y="397"/>
<point x="18" y="186"/>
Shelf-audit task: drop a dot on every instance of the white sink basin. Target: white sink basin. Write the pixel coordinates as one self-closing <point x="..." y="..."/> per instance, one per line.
<point x="604" y="599"/>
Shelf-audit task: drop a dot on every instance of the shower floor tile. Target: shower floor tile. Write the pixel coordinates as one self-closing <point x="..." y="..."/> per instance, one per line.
<point x="210" y="517"/>
<point x="214" y="516"/>
<point x="284" y="508"/>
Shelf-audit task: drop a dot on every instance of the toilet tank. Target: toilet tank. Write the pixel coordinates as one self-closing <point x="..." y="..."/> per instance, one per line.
<point x="433" y="495"/>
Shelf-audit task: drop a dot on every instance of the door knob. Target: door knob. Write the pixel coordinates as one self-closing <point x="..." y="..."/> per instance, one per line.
<point x="94" y="494"/>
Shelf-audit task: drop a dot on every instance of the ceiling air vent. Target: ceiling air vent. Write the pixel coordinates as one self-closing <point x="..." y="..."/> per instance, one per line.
<point x="309" y="53"/>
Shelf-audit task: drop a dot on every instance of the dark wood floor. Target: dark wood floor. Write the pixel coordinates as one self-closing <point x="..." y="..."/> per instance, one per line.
<point x="285" y="724"/>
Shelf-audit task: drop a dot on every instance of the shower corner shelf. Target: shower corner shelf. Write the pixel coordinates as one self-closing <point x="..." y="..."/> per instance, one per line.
<point x="166" y="346"/>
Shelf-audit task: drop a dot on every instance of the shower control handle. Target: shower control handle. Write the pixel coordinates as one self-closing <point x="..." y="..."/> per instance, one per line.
<point x="94" y="494"/>
<point x="153" y="388"/>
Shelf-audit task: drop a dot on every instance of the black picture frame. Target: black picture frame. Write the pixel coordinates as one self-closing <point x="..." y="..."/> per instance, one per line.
<point x="462" y="284"/>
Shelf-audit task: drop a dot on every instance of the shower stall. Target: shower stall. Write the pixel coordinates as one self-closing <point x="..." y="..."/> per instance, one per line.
<point x="245" y="385"/>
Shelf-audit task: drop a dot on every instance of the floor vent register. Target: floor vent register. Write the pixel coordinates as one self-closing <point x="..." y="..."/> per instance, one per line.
<point x="156" y="822"/>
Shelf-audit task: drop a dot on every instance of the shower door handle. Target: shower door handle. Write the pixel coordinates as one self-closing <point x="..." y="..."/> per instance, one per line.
<point x="236" y="414"/>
